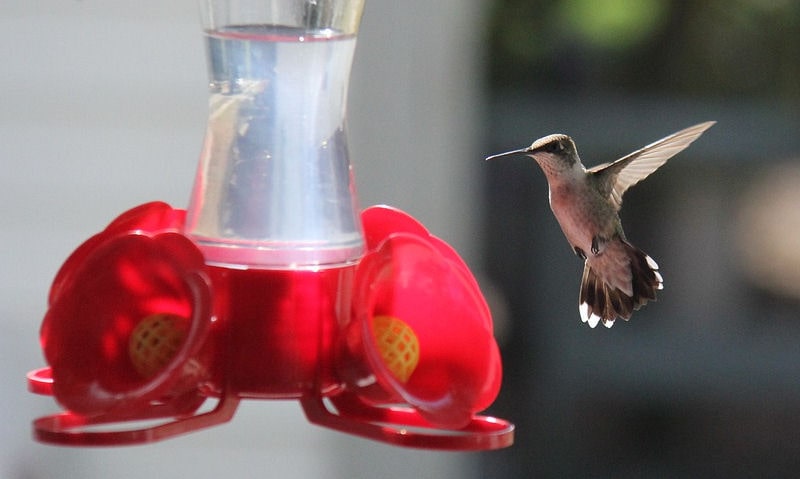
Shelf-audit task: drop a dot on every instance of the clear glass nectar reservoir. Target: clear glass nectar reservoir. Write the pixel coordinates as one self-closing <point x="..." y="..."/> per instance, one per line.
<point x="274" y="187"/>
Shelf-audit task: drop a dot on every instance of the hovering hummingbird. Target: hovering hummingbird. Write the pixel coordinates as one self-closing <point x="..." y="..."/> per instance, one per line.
<point x="618" y="278"/>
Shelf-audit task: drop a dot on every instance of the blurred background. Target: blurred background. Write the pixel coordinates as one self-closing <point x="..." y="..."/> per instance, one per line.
<point x="705" y="382"/>
<point x="104" y="108"/>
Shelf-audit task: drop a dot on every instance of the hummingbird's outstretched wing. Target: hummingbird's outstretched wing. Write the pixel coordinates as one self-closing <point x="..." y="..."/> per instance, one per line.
<point x="613" y="179"/>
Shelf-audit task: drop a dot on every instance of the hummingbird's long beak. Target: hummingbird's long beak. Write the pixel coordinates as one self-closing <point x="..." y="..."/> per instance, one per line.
<point x="521" y="151"/>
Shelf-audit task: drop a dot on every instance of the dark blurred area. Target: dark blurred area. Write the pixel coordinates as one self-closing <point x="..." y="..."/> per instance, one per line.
<point x="706" y="381"/>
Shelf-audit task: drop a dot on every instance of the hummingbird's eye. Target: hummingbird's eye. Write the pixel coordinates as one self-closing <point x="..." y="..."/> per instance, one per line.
<point x="555" y="147"/>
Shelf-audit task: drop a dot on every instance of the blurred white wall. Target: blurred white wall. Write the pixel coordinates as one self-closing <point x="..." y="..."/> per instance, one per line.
<point x="102" y="107"/>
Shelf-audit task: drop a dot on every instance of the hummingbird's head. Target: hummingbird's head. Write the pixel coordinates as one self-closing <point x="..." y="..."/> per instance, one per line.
<point x="555" y="154"/>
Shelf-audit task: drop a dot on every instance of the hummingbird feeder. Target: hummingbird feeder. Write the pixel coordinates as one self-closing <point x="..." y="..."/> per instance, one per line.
<point x="271" y="284"/>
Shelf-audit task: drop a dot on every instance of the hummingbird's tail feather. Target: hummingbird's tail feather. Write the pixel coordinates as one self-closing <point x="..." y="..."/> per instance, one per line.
<point x="617" y="282"/>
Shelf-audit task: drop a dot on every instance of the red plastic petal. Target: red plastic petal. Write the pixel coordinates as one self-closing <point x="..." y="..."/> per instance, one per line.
<point x="153" y="217"/>
<point x="382" y="221"/>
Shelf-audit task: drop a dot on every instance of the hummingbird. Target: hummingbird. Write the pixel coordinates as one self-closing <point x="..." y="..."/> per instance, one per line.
<point x="618" y="278"/>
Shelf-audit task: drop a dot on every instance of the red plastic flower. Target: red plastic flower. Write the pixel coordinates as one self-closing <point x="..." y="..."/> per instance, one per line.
<point x="129" y="311"/>
<point x="421" y="324"/>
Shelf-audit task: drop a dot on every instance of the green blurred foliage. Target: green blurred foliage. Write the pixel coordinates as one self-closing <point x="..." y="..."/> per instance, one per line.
<point x="716" y="48"/>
